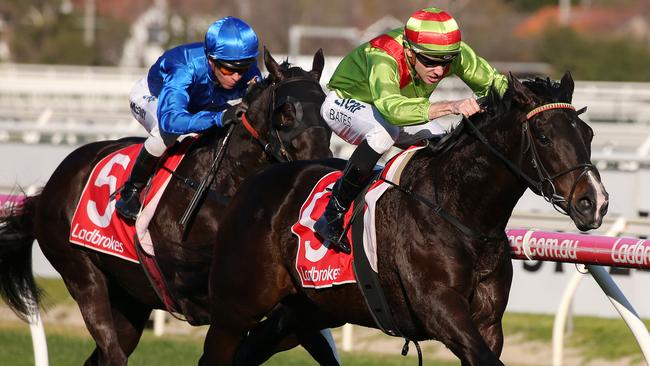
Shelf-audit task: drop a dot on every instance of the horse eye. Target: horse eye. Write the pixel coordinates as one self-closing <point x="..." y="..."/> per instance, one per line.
<point x="544" y="140"/>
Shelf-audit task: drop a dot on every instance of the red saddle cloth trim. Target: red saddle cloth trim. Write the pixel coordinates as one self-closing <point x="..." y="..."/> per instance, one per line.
<point x="95" y="224"/>
<point x="317" y="265"/>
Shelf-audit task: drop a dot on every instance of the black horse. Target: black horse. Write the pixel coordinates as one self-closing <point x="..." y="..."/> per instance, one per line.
<point x="114" y="296"/>
<point x="443" y="256"/>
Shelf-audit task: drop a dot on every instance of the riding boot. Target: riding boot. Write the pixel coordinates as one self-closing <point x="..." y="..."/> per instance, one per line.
<point x="129" y="204"/>
<point x="356" y="175"/>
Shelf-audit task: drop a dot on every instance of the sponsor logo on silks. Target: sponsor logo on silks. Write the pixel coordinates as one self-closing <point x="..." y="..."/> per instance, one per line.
<point x="637" y="253"/>
<point x="138" y="111"/>
<point x="149" y="98"/>
<point x="317" y="275"/>
<point x="95" y="238"/>
<point x="545" y="247"/>
<point x="339" y="117"/>
<point x="349" y="104"/>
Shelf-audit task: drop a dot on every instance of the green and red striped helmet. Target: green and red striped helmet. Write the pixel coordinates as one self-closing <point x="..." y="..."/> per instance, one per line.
<point x="432" y="31"/>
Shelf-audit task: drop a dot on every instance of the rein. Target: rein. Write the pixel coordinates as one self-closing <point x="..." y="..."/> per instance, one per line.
<point x="282" y="156"/>
<point x="438" y="209"/>
<point x="543" y="175"/>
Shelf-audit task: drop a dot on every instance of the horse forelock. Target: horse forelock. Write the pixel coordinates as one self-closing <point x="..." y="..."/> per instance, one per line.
<point x="547" y="89"/>
<point x="256" y="89"/>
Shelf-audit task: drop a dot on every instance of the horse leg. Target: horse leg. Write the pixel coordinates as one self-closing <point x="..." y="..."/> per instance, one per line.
<point x="277" y="333"/>
<point x="489" y="303"/>
<point x="317" y="343"/>
<point x="220" y="345"/>
<point x="130" y="317"/>
<point x="232" y="315"/>
<point x="453" y="323"/>
<point x="88" y="286"/>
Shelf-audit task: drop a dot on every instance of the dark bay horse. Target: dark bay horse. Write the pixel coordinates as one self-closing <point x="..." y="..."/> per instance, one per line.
<point x="441" y="282"/>
<point x="114" y="296"/>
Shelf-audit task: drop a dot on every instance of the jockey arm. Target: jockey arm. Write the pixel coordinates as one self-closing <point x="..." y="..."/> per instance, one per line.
<point x="404" y="111"/>
<point x="384" y="84"/>
<point x="173" y="101"/>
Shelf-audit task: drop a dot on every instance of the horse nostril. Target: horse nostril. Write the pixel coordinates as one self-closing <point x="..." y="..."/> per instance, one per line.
<point x="603" y="210"/>
<point x="585" y="204"/>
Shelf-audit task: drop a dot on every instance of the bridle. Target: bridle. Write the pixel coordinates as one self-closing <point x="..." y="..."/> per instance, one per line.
<point x="544" y="178"/>
<point x="310" y="97"/>
<point x="543" y="175"/>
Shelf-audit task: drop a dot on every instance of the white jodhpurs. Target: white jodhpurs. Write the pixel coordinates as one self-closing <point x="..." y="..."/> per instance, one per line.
<point x="144" y="108"/>
<point x="355" y="121"/>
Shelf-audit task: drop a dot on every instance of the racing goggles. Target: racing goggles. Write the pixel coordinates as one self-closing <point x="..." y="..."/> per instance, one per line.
<point x="435" y="60"/>
<point x="230" y="67"/>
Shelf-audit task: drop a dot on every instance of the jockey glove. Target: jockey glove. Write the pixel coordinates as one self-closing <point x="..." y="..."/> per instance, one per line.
<point x="233" y="114"/>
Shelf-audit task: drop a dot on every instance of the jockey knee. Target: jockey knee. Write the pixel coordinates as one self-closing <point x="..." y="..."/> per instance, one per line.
<point x="382" y="140"/>
<point x="155" y="145"/>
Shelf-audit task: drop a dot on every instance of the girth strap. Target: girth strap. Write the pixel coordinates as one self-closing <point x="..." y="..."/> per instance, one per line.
<point x="367" y="278"/>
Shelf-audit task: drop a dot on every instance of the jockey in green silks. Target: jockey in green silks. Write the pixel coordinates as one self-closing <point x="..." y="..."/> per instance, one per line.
<point x="379" y="97"/>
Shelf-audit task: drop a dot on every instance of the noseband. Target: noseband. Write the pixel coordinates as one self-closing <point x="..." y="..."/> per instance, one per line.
<point x="310" y="98"/>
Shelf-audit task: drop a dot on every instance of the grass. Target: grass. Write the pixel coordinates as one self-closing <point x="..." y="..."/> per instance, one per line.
<point x="70" y="348"/>
<point x="592" y="337"/>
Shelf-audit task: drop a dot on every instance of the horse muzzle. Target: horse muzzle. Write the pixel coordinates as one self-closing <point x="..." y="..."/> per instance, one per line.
<point x="589" y="203"/>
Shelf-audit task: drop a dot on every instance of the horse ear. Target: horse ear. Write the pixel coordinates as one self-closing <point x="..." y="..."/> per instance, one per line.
<point x="272" y="66"/>
<point x="317" y="65"/>
<point x="566" y="87"/>
<point x="520" y="94"/>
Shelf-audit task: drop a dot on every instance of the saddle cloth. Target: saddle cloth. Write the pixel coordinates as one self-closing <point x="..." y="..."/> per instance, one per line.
<point x="96" y="225"/>
<point x="321" y="267"/>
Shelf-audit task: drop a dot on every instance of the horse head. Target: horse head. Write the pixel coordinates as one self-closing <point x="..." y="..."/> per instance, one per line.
<point x="285" y="110"/>
<point x="556" y="149"/>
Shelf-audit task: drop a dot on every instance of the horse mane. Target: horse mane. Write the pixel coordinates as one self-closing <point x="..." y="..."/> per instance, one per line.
<point x="494" y="106"/>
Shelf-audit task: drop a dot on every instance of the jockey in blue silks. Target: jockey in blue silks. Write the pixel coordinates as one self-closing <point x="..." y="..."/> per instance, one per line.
<point x="188" y="90"/>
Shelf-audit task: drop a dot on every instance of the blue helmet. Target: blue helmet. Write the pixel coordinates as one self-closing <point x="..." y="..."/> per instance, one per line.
<point x="231" y="39"/>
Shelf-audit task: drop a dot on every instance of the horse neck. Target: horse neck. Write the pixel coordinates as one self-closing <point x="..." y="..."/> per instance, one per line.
<point x="245" y="155"/>
<point x="470" y="182"/>
<point x="242" y="157"/>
